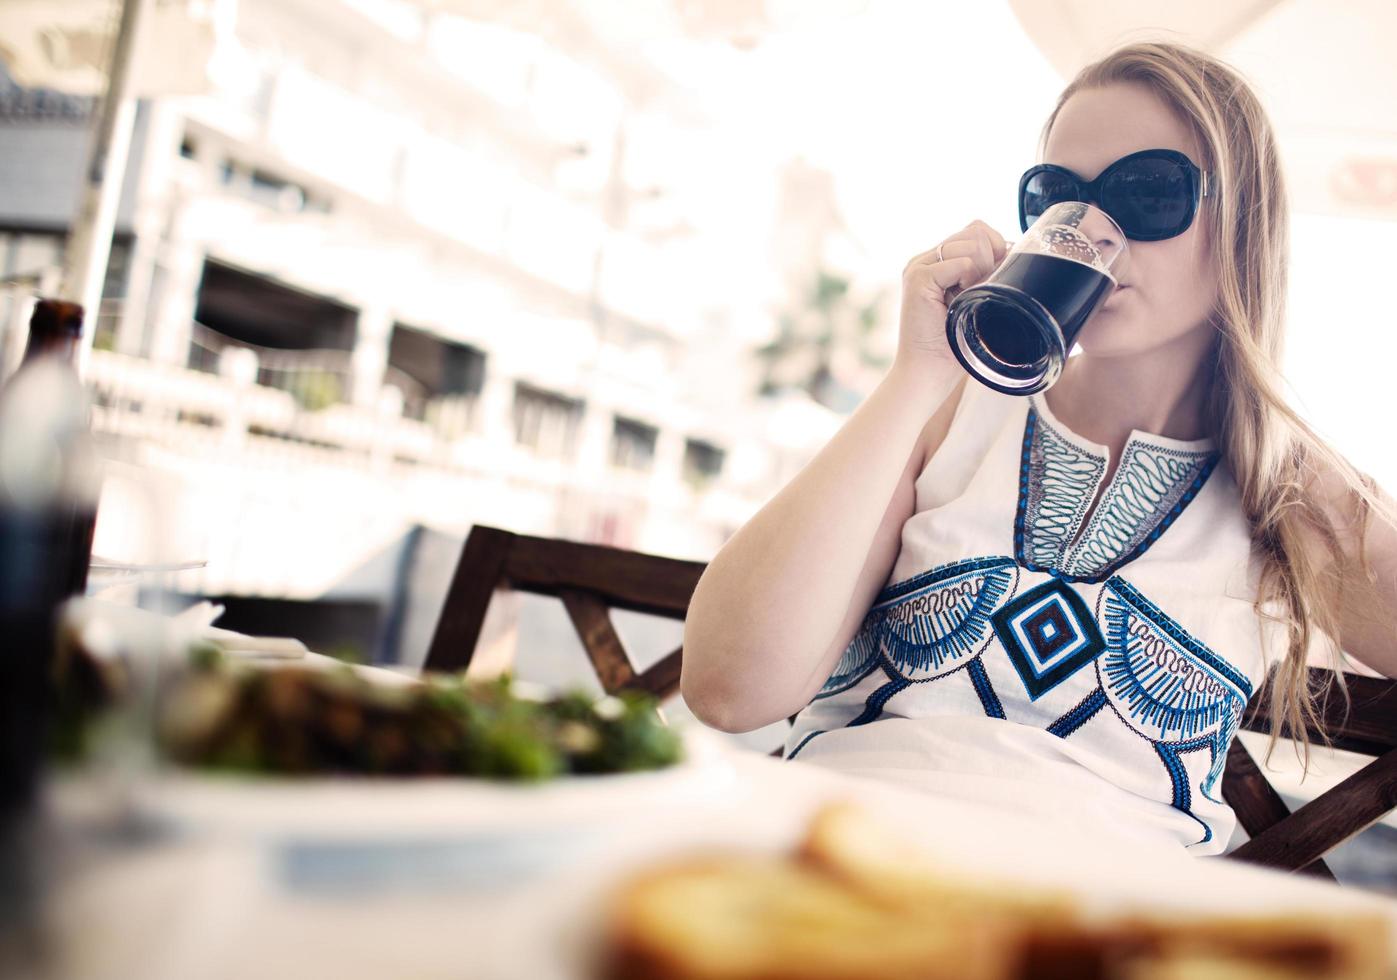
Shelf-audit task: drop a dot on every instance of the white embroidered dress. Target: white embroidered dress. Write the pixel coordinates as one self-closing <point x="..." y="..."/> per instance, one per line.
<point x="1091" y="674"/>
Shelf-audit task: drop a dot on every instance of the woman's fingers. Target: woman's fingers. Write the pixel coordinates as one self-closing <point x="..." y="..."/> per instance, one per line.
<point x="931" y="281"/>
<point x="978" y="248"/>
<point x="997" y="244"/>
<point x="951" y="273"/>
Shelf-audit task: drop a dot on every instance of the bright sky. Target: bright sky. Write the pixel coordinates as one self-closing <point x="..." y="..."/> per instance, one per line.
<point x="926" y="113"/>
<point x="1342" y="338"/>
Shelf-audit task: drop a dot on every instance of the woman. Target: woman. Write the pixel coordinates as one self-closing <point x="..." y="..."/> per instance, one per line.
<point x="1083" y="587"/>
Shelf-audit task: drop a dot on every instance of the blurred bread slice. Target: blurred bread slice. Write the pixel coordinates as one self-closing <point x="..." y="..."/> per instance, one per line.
<point x="857" y="901"/>
<point x="1280" y="946"/>
<point x="1046" y="936"/>
<point x="771" y="919"/>
<point x="846" y="842"/>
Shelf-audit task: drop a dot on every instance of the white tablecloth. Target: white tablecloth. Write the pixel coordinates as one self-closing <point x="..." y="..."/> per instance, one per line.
<point x="454" y="878"/>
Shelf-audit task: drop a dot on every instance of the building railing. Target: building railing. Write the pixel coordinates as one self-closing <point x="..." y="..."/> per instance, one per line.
<point x="234" y="395"/>
<point x="235" y="410"/>
<point x="269" y="477"/>
<point x="287" y="402"/>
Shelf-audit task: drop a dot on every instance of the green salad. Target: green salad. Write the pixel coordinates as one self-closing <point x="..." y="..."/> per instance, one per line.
<point x="301" y="721"/>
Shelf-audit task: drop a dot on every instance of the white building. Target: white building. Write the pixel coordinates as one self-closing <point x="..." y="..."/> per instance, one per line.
<point x="410" y="271"/>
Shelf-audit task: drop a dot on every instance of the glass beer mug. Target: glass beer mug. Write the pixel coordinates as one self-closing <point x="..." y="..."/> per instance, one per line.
<point x="1013" y="331"/>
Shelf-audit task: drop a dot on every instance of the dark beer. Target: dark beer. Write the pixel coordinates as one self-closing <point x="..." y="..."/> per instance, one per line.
<point x="1015" y="332"/>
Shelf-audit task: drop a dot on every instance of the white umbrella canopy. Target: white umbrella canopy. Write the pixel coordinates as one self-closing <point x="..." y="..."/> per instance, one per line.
<point x="1324" y="70"/>
<point x="618" y="34"/>
<point x="67" y="44"/>
<point x="121" y="50"/>
<point x="742" y="23"/>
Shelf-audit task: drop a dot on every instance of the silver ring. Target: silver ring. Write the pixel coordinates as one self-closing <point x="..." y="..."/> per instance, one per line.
<point x="938" y="253"/>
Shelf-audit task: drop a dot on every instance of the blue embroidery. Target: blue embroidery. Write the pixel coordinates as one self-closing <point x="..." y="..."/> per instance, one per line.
<point x="1049" y="635"/>
<point x="938" y="574"/>
<point x="1158" y="686"/>
<point x="1057" y="479"/>
<point x="1080" y="715"/>
<point x="985" y="689"/>
<point x="858" y="661"/>
<point x="945" y="619"/>
<point x="926" y="621"/>
<point x="1056" y="484"/>
<point x="803" y="743"/>
<point x="1151" y="489"/>
<point x="873" y="707"/>
<point x="1170" y="755"/>
<point x="1159" y="618"/>
<point x="1170" y="689"/>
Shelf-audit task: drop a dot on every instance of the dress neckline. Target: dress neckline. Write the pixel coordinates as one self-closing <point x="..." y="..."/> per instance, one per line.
<point x="1074" y="522"/>
<point x="1040" y="404"/>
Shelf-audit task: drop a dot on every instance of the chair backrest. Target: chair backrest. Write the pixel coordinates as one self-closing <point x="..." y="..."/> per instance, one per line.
<point x="1296" y="841"/>
<point x="591" y="579"/>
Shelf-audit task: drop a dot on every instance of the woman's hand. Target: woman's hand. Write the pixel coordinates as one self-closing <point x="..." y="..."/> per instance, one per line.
<point x="931" y="280"/>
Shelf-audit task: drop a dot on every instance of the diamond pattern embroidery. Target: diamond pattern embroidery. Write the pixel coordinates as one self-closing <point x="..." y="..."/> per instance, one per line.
<point x="1049" y="635"/>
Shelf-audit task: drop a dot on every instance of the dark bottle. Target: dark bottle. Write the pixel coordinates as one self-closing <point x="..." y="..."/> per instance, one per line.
<point x="55" y="328"/>
<point x="48" y="493"/>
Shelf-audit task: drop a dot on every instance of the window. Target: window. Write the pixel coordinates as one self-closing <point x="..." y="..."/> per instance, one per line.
<point x="633" y="444"/>
<point x="268" y="188"/>
<point x="544" y="421"/>
<point x="440" y="380"/>
<point x="256" y="310"/>
<point x="303" y="341"/>
<point x="275" y="192"/>
<point x="703" y="463"/>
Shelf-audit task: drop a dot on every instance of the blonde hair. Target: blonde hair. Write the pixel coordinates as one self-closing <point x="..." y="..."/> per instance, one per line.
<point x="1275" y="457"/>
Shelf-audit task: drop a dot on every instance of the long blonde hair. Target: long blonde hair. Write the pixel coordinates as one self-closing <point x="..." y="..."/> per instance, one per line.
<point x="1275" y="457"/>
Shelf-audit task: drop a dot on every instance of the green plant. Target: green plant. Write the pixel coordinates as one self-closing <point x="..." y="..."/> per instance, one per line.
<point x="830" y="326"/>
<point x="316" y="389"/>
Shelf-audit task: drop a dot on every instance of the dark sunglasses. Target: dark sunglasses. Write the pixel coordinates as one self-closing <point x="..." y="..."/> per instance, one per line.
<point x="1152" y="194"/>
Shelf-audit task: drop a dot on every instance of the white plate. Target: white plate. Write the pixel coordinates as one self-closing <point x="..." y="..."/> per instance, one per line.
<point x="359" y="809"/>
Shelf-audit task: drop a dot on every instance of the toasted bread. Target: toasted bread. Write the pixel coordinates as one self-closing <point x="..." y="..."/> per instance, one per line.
<point x="845" y="842"/>
<point x="853" y="901"/>
<point x="770" y="919"/>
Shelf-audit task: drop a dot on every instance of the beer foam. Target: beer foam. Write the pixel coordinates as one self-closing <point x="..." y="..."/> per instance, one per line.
<point x="1067" y="242"/>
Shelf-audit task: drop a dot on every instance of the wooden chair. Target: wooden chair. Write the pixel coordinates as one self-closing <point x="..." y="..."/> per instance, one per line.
<point x="590" y="580"/>
<point x="1296" y="841"/>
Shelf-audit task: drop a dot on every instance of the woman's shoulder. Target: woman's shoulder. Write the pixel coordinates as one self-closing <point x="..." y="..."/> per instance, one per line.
<point x="963" y="440"/>
<point x="969" y="419"/>
<point x="938" y="426"/>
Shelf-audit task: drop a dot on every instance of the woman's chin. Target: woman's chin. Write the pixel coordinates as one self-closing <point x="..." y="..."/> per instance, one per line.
<point x="1108" y="335"/>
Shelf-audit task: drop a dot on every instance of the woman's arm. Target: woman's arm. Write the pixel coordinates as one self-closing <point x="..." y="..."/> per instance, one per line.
<point x="784" y="596"/>
<point x="778" y="604"/>
<point x="1367" y="614"/>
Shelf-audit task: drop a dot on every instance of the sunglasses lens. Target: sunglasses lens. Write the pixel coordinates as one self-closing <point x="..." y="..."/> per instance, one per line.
<point x="1149" y="198"/>
<point x="1043" y="190"/>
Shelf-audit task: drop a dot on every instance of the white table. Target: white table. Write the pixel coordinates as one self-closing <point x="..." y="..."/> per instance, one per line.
<point x="453" y="878"/>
